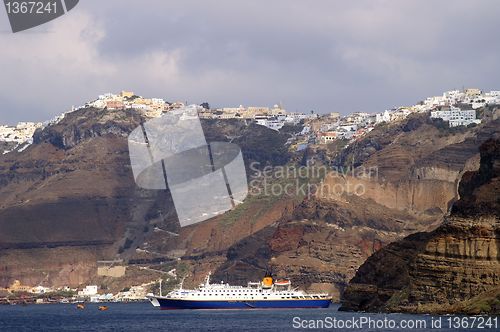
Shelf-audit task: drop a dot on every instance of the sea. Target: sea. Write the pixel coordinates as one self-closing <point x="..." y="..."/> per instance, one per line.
<point x="144" y="317"/>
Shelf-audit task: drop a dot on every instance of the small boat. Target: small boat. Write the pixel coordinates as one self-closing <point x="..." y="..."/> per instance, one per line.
<point x="80" y="306"/>
<point x="102" y="308"/>
<point x="282" y="282"/>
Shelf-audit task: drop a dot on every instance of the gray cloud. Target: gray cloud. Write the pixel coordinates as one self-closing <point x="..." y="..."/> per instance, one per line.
<point x="321" y="55"/>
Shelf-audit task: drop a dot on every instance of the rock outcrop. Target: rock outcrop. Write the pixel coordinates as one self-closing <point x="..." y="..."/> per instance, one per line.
<point x="443" y="270"/>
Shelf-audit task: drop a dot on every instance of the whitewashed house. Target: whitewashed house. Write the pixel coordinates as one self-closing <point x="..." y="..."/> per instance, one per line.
<point x="383" y="117"/>
<point x="88" y="291"/>
<point x="456" y="117"/>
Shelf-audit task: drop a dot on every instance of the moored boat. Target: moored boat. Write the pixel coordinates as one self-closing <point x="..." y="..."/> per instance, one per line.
<point x="266" y="294"/>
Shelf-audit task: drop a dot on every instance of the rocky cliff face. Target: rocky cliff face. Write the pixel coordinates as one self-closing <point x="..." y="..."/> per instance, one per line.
<point x="400" y="185"/>
<point x="443" y="270"/>
<point x="319" y="245"/>
<point x="70" y="200"/>
<point x="415" y="170"/>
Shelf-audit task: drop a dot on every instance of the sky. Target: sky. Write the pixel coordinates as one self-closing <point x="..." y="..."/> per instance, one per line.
<point x="326" y="56"/>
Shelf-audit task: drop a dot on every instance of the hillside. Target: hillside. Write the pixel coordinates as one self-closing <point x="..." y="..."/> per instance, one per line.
<point x="69" y="199"/>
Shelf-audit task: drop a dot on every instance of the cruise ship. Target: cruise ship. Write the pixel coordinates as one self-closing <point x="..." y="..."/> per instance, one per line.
<point x="267" y="294"/>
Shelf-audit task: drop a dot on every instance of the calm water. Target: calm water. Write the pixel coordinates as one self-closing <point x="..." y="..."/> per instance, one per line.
<point x="144" y="317"/>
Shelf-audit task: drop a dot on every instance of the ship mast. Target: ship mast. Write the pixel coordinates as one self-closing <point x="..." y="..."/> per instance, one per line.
<point x="207" y="280"/>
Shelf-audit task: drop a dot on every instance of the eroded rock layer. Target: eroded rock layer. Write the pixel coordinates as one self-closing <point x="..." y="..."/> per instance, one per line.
<point x="442" y="270"/>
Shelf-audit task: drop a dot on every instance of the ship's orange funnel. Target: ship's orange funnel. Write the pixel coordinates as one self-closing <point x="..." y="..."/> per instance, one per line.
<point x="267" y="282"/>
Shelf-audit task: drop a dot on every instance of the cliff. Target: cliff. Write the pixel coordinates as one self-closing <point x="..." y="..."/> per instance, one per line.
<point x="69" y="199"/>
<point x="454" y="268"/>
<point x="397" y="185"/>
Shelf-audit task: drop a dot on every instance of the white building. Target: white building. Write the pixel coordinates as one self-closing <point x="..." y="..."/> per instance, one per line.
<point x="271" y="123"/>
<point x="108" y="96"/>
<point x="88" y="291"/>
<point x="157" y="101"/>
<point x="102" y="298"/>
<point x="140" y="106"/>
<point x="493" y="93"/>
<point x="295" y="117"/>
<point x="382" y="117"/>
<point x="98" y="103"/>
<point x="348" y="127"/>
<point x="456" y="117"/>
<point x="345" y="134"/>
<point x="478" y="104"/>
<point x="436" y="101"/>
<point x="454" y="96"/>
<point x="40" y="290"/>
<point x="135" y="293"/>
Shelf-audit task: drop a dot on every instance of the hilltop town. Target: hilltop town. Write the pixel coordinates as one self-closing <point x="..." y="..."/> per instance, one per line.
<point x="457" y="108"/>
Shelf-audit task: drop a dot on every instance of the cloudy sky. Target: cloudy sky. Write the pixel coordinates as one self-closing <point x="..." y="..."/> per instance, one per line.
<point x="309" y="55"/>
